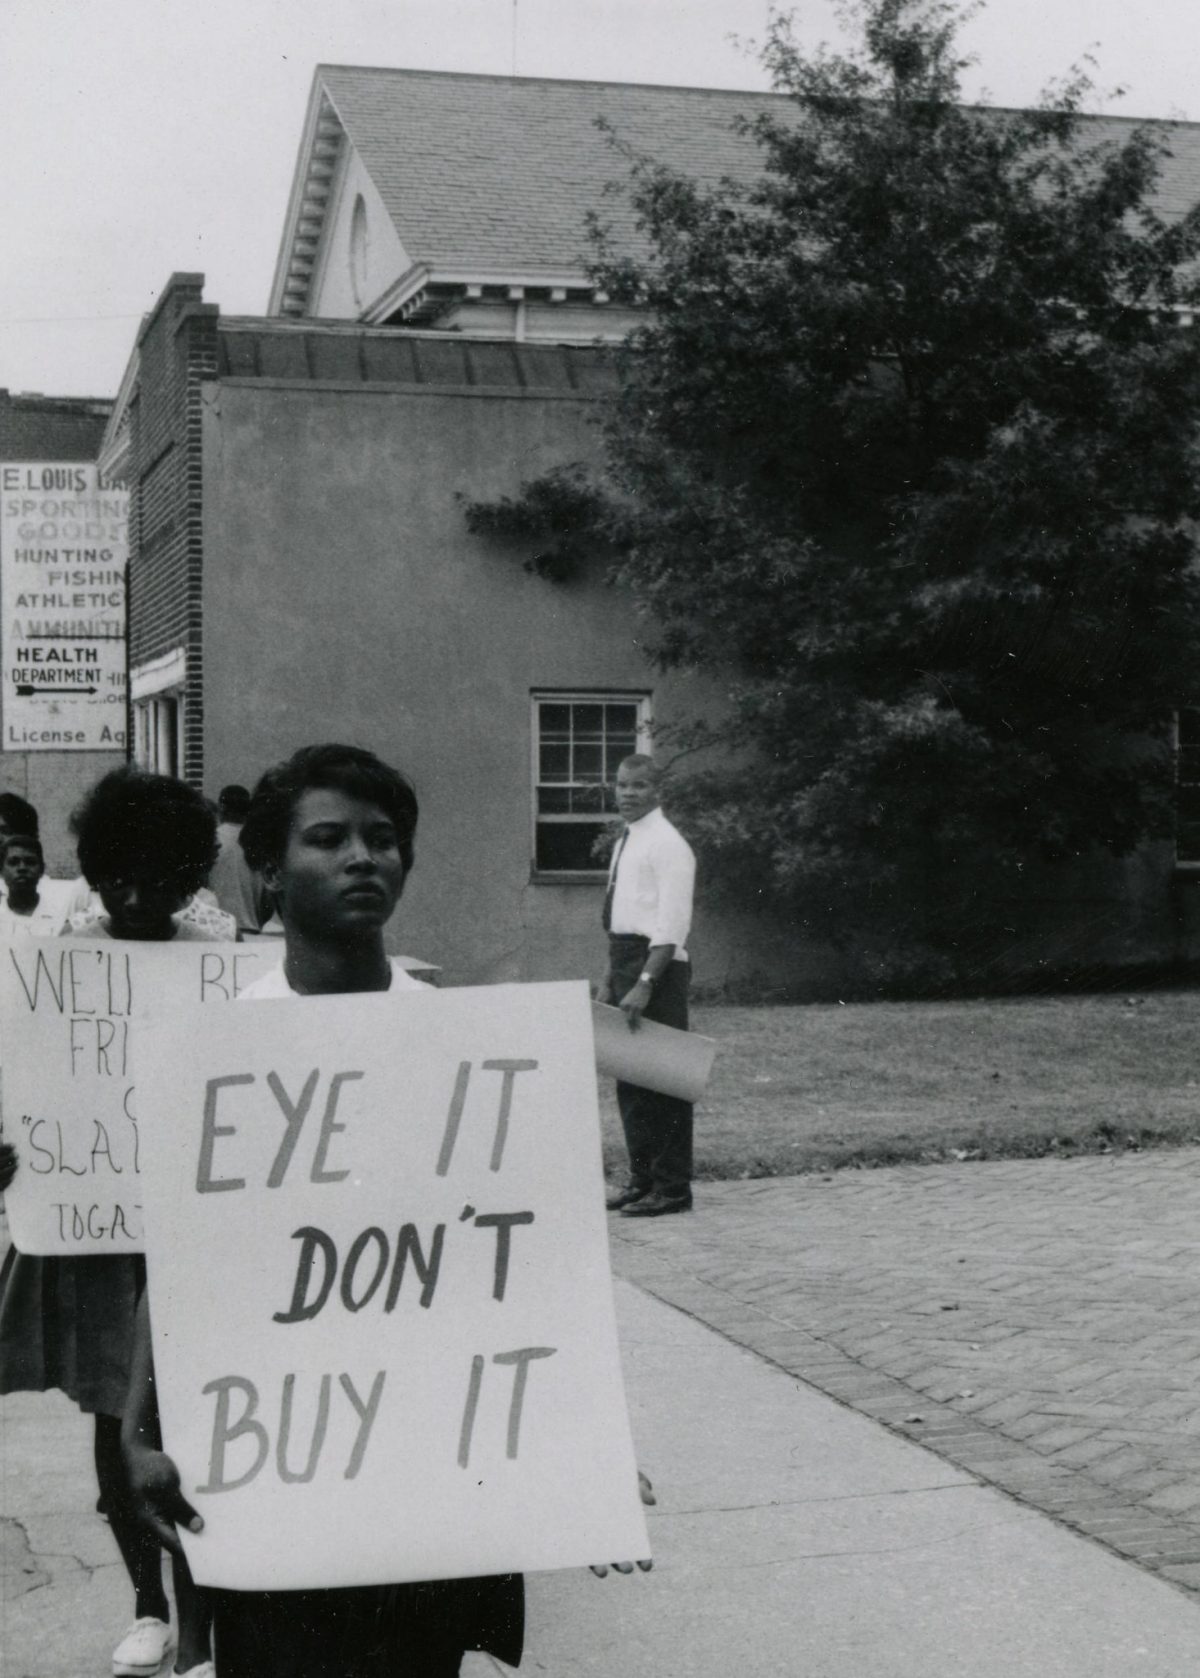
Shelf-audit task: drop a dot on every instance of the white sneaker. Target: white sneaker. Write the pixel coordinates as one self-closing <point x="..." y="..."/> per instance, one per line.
<point x="142" y="1650"/>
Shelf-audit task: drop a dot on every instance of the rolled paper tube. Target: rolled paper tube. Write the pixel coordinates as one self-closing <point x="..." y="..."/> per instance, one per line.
<point x="657" y="1057"/>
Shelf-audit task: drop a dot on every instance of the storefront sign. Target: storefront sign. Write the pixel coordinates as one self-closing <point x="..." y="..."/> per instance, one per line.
<point x="62" y="601"/>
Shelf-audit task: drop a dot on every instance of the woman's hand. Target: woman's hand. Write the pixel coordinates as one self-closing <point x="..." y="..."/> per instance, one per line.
<point x="8" y="1164"/>
<point x="155" y="1494"/>
<point x="646" y="1493"/>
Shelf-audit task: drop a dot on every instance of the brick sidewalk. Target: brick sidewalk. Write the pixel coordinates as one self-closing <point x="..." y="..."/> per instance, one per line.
<point x="1035" y="1321"/>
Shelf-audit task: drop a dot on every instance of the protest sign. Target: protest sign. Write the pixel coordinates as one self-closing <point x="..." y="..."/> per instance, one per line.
<point x="69" y="1103"/>
<point x="384" y="1339"/>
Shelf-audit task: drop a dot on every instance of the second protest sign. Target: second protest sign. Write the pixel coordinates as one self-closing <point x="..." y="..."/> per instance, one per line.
<point x="66" y="1065"/>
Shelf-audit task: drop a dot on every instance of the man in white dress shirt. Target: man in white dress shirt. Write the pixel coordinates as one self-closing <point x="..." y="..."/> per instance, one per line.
<point x="648" y="916"/>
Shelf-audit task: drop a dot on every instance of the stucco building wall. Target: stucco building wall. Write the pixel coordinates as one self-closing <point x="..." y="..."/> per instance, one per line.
<point x="343" y="598"/>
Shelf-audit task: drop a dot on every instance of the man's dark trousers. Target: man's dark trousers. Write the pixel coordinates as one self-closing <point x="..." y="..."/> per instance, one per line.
<point x="658" y="1128"/>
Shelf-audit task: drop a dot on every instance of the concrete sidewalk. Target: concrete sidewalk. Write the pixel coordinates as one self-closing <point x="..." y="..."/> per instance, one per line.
<point x="791" y="1537"/>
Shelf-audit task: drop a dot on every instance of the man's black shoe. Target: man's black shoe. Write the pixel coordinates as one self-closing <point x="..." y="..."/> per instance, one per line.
<point x="657" y="1205"/>
<point x="625" y="1197"/>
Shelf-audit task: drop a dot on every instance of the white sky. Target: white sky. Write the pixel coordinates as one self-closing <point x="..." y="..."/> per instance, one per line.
<point x="143" y="136"/>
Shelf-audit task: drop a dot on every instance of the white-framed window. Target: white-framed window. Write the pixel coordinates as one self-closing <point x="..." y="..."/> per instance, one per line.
<point x="158" y="733"/>
<point x="579" y="738"/>
<point x="1187" y="784"/>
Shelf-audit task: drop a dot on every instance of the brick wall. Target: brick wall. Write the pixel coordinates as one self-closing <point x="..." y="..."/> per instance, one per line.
<point x="177" y="350"/>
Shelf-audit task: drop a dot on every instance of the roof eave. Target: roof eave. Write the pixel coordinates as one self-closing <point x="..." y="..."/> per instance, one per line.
<point x="113" y="457"/>
<point x="318" y="98"/>
<point x="566" y="282"/>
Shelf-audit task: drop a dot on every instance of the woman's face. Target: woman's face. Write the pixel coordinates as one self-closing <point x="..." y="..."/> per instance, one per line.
<point x="22" y="871"/>
<point x="139" y="905"/>
<point x="341" y="873"/>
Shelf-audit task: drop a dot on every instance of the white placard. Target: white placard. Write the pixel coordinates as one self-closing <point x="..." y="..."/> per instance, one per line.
<point x="63" y="552"/>
<point x="658" y="1057"/>
<point x="384" y="1337"/>
<point x="69" y="1103"/>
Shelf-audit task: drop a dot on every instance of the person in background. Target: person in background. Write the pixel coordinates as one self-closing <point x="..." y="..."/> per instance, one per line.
<point x="17" y="815"/>
<point x="55" y="897"/>
<point x="129" y="820"/>
<point x="239" y="891"/>
<point x="648" y="915"/>
<point x="146" y="843"/>
<point x="23" y="914"/>
<point x="332" y="832"/>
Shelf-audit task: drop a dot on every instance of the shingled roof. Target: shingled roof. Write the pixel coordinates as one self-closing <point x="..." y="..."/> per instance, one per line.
<point x="495" y="174"/>
<point x="523" y="158"/>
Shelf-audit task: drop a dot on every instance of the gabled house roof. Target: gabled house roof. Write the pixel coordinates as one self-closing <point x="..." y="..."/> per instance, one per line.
<point x="523" y="158"/>
<point x="489" y="179"/>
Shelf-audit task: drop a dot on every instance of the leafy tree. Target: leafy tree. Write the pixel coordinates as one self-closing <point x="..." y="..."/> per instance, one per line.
<point x="906" y="453"/>
<point x="557" y="517"/>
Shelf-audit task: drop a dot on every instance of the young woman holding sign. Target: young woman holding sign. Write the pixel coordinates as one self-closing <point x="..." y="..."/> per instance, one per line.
<point x="145" y="844"/>
<point x="331" y="832"/>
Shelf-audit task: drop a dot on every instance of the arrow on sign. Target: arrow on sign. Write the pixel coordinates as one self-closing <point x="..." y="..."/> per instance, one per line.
<point x="26" y="690"/>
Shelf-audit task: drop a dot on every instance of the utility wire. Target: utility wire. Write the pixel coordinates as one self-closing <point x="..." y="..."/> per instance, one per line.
<point x="62" y="320"/>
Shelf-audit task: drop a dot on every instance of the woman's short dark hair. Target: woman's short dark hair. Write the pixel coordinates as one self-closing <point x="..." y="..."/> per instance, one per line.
<point x="18" y="813"/>
<point x="135" y="823"/>
<point x="348" y="769"/>
<point x="22" y="842"/>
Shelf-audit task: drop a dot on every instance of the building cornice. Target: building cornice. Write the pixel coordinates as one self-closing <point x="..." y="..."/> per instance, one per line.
<point x="158" y="675"/>
<point x="113" y="459"/>
<point x="321" y="147"/>
<point x="424" y="292"/>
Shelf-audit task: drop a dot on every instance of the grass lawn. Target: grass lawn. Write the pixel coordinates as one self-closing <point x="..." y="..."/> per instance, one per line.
<point x="817" y="1087"/>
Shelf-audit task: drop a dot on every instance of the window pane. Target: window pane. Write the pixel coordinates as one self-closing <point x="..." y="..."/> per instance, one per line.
<point x="588" y="719"/>
<point x="588" y="763"/>
<point x="555" y="762"/>
<point x="605" y="844"/>
<point x="567" y="845"/>
<point x="554" y="719"/>
<point x="622" y="719"/>
<point x="587" y="799"/>
<point x="553" y="800"/>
